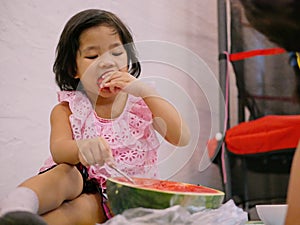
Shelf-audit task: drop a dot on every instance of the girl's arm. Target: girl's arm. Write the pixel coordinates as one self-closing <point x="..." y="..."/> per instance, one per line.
<point x="62" y="146"/>
<point x="65" y="149"/>
<point x="166" y="119"/>
<point x="293" y="197"/>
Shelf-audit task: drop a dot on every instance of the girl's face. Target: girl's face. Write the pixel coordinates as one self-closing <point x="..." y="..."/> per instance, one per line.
<point x="100" y="53"/>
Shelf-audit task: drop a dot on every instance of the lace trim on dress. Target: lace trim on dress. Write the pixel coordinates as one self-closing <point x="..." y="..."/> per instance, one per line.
<point x="134" y="147"/>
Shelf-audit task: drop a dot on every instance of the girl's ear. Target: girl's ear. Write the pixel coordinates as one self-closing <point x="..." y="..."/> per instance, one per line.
<point x="76" y="77"/>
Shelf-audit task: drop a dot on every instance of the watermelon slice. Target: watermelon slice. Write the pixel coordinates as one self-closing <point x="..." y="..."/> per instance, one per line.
<point x="159" y="194"/>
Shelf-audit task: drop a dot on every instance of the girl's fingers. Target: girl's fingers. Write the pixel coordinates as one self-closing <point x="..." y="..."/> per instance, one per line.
<point x="119" y="77"/>
<point x="110" y="76"/>
<point x="120" y="82"/>
<point x="97" y="154"/>
<point x="83" y="160"/>
<point x="102" y="148"/>
<point x="87" y="155"/>
<point x="105" y="80"/>
<point x="104" y="151"/>
<point x="95" y="151"/>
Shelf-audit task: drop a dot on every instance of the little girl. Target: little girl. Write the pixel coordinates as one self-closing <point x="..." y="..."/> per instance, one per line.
<point x="105" y="116"/>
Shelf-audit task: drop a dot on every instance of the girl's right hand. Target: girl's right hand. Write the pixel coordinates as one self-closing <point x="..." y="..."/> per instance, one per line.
<point x="94" y="151"/>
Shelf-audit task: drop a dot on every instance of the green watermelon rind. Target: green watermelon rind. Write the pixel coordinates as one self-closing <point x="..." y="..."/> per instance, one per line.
<point x="122" y="196"/>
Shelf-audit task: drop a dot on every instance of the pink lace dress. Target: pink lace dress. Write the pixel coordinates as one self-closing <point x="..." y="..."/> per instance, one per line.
<point x="131" y="136"/>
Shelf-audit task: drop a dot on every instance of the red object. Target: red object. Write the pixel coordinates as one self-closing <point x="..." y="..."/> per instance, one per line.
<point x="257" y="52"/>
<point x="166" y="185"/>
<point x="269" y="133"/>
<point x="212" y="145"/>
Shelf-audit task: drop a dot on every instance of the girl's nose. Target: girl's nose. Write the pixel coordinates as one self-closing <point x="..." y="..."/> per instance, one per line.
<point x="106" y="62"/>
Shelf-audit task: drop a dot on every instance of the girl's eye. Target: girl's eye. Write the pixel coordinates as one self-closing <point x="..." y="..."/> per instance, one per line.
<point x="117" y="53"/>
<point x="92" y="57"/>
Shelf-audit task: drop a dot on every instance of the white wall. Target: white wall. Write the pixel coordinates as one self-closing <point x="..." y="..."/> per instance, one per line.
<point x="29" y="33"/>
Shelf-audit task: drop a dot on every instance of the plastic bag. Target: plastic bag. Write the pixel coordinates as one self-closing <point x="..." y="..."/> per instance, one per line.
<point x="226" y="214"/>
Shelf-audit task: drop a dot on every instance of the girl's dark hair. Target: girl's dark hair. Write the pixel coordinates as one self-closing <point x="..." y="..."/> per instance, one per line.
<point x="65" y="67"/>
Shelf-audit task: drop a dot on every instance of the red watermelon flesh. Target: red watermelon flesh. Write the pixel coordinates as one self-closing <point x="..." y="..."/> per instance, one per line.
<point x="166" y="185"/>
<point x="159" y="194"/>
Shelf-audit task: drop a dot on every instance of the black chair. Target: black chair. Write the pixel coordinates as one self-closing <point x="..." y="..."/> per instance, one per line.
<point x="265" y="94"/>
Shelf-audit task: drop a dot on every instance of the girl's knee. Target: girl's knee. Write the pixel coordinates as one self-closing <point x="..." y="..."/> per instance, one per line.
<point x="65" y="168"/>
<point x="66" y="171"/>
<point x="66" y="178"/>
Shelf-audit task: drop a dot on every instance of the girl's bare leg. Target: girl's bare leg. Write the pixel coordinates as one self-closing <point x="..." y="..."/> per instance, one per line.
<point x="63" y="182"/>
<point x="84" y="210"/>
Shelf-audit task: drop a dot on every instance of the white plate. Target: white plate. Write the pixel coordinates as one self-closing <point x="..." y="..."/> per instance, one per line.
<point x="272" y="214"/>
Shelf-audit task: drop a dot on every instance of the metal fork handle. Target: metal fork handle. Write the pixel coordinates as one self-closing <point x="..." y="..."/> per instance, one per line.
<point x="122" y="173"/>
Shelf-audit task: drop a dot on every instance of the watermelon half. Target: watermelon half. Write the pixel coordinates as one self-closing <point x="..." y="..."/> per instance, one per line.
<point x="159" y="194"/>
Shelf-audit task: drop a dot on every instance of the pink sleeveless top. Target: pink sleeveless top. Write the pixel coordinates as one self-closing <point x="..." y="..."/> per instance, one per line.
<point x="131" y="136"/>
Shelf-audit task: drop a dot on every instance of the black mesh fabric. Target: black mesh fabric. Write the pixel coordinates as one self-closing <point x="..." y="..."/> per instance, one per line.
<point x="265" y="83"/>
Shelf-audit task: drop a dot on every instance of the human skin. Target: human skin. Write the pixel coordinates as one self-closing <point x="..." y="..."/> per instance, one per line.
<point x="293" y="198"/>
